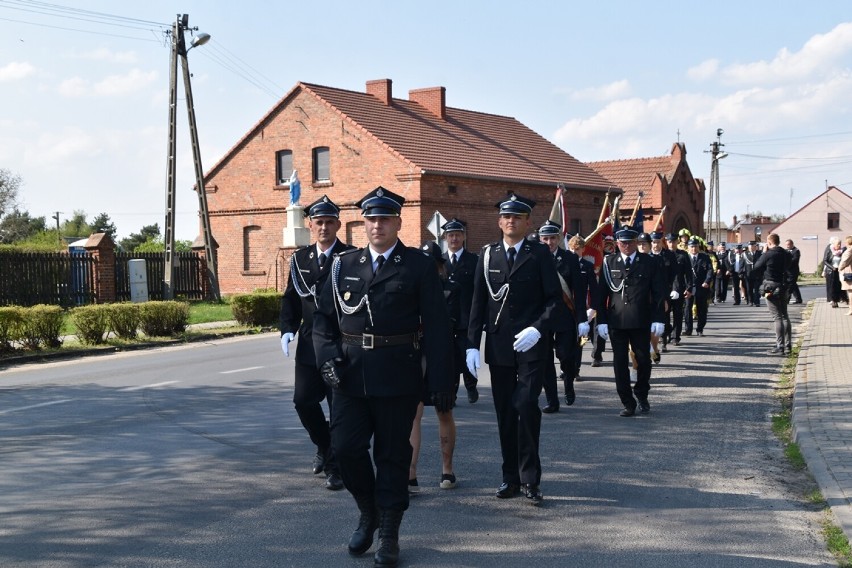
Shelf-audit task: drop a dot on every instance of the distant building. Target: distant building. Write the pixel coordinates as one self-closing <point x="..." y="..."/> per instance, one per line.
<point x="345" y="143"/>
<point x="827" y="215"/>
<point x="664" y="181"/>
<point x="752" y="228"/>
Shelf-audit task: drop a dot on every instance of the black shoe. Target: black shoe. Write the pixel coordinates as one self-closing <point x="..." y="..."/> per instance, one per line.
<point x="472" y="395"/>
<point x="644" y="407"/>
<point x="508" y="490"/>
<point x="776" y="351"/>
<point x="687" y="333"/>
<point x="578" y="378"/>
<point x="387" y="551"/>
<point x="550" y="408"/>
<point x="597" y="363"/>
<point x="319" y="461"/>
<point x="656" y="357"/>
<point x="700" y="334"/>
<point x="570" y="395"/>
<point x="677" y="341"/>
<point x="448" y="481"/>
<point x="362" y="539"/>
<point x="333" y="482"/>
<point x="533" y="493"/>
<point x="665" y="348"/>
<point x="627" y="412"/>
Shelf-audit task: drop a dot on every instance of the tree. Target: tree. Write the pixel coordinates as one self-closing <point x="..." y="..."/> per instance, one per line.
<point x="148" y="232"/>
<point x="76" y="226"/>
<point x="17" y="226"/>
<point x="103" y="224"/>
<point x="10" y="184"/>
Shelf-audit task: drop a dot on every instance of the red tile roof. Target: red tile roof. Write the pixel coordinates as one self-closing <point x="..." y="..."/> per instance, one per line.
<point x="466" y="143"/>
<point x="637" y="175"/>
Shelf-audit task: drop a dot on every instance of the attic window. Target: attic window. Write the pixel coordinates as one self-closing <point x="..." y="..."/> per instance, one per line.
<point x="283" y="166"/>
<point x="321" y="164"/>
<point x="833" y="221"/>
<point x="451" y="189"/>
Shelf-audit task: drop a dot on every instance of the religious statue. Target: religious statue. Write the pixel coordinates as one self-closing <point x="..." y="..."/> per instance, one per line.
<point x="295" y="189"/>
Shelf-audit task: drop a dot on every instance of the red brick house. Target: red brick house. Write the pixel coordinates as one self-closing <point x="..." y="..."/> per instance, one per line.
<point x="665" y="181"/>
<point x="345" y="143"/>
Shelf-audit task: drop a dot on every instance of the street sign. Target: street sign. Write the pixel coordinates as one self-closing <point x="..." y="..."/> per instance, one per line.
<point x="435" y="223"/>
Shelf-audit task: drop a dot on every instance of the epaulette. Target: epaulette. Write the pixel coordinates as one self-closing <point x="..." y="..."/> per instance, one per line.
<point x="349" y="251"/>
<point x="494" y="244"/>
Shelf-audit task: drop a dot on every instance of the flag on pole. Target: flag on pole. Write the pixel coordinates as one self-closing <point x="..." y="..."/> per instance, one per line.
<point x="660" y="227"/>
<point x="637" y="219"/>
<point x="558" y="213"/>
<point x="594" y="251"/>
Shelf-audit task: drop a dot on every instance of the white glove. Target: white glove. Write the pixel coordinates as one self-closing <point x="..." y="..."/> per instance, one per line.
<point x="603" y="331"/>
<point x="285" y="343"/>
<point x="674" y="295"/>
<point x="591" y="313"/>
<point x="582" y="329"/>
<point x="657" y="329"/>
<point x="526" y="339"/>
<point x="472" y="360"/>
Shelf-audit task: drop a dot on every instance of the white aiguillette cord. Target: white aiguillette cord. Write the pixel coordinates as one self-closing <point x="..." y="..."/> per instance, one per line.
<point x="502" y="293"/>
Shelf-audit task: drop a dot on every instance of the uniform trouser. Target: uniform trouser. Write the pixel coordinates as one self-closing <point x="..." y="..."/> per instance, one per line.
<point x="677" y="317"/>
<point x="721" y="287"/>
<point x="565" y="345"/>
<point x="516" y="390"/>
<point x="755" y="290"/>
<point x="777" y="304"/>
<point x="639" y="340"/>
<point x="749" y="285"/>
<point x="387" y="421"/>
<point x="460" y="348"/>
<point x="699" y="300"/>
<point x="795" y="292"/>
<point x="735" y="284"/>
<point x="308" y="393"/>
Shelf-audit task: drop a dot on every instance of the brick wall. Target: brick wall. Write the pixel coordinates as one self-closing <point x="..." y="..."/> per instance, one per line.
<point x="243" y="192"/>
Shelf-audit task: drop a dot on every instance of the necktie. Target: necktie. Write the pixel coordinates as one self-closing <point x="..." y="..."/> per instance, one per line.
<point x="627" y="263"/>
<point x="379" y="263"/>
<point x="321" y="259"/>
<point x="452" y="260"/>
<point x="512" y="252"/>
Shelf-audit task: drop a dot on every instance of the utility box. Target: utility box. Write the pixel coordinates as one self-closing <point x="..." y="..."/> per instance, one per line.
<point x="138" y="276"/>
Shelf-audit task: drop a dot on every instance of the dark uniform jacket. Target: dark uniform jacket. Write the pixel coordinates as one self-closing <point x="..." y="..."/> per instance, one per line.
<point x="731" y="262"/>
<point x="405" y="297"/>
<point x="682" y="273"/>
<point x="590" y="284"/>
<point x="297" y="313"/>
<point x="533" y="296"/>
<point x="702" y="271"/>
<point x="795" y="258"/>
<point x="751" y="258"/>
<point x="571" y="281"/>
<point x="462" y="274"/>
<point x="640" y="300"/>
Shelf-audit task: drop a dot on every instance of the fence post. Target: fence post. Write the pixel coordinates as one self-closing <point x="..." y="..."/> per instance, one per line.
<point x="102" y="249"/>
<point x="199" y="249"/>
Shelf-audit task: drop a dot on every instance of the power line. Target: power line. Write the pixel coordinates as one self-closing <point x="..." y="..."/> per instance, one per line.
<point x="790" y="157"/>
<point x="58" y="11"/>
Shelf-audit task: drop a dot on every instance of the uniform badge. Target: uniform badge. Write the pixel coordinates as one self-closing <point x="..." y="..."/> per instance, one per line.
<point x="380" y="193"/>
<point x="347" y="295"/>
<point x="362" y="260"/>
<point x="311" y="255"/>
<point x="397" y="259"/>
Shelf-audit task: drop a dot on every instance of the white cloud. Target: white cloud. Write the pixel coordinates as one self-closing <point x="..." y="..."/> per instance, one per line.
<point x="818" y="56"/>
<point x="15" y="71"/>
<point x="124" y="84"/>
<point x="114" y="85"/>
<point x="704" y="70"/>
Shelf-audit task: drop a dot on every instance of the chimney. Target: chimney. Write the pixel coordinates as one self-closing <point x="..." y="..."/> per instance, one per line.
<point x="381" y="89"/>
<point x="735" y="220"/>
<point x="432" y="99"/>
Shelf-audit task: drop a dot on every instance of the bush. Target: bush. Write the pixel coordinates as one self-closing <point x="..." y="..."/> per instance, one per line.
<point x="11" y="320"/>
<point x="42" y="325"/>
<point x="164" y="319"/>
<point x="124" y="319"/>
<point x="256" y="309"/>
<point x="92" y="323"/>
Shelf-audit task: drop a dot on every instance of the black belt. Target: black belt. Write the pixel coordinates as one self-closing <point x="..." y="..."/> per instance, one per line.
<point x="370" y="341"/>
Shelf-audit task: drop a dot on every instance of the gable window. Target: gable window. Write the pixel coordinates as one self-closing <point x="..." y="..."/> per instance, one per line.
<point x="321" y="164"/>
<point x="283" y="166"/>
<point x="252" y="251"/>
<point x="833" y="221"/>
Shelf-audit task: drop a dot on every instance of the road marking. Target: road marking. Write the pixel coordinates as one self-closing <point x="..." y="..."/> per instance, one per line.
<point x="51" y="403"/>
<point x="151" y="386"/>
<point x="239" y="370"/>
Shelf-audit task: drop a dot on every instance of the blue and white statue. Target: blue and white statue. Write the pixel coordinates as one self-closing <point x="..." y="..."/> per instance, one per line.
<point x="295" y="189"/>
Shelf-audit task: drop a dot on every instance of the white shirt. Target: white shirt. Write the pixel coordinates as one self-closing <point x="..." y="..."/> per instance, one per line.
<point x="375" y="255"/>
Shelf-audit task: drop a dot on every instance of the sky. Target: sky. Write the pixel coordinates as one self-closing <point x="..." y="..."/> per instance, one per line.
<point x="84" y="112"/>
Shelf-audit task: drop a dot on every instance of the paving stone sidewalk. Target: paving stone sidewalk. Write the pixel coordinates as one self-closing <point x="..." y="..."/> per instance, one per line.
<point x="822" y="406"/>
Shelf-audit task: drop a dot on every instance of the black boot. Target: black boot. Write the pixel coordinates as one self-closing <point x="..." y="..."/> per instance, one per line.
<point x="362" y="539"/>
<point x="387" y="554"/>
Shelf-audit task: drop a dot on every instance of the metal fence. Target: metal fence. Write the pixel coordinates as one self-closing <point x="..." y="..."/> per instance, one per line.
<point x="56" y="278"/>
<point x="188" y="282"/>
<point x="69" y="279"/>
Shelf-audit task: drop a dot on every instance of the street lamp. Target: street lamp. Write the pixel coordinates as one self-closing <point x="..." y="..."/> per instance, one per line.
<point x="757" y="232"/>
<point x="180" y="50"/>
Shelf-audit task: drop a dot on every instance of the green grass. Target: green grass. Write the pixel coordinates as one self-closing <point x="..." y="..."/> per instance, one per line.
<point x="837" y="542"/>
<point x="203" y="312"/>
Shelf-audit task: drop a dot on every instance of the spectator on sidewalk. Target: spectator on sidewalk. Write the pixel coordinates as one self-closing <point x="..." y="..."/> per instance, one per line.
<point x="795" y="258"/>
<point x="771" y="269"/>
<point x="845" y="270"/>
<point x="830" y="264"/>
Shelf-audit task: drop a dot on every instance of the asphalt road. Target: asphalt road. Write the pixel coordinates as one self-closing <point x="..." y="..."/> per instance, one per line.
<point x="193" y="456"/>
